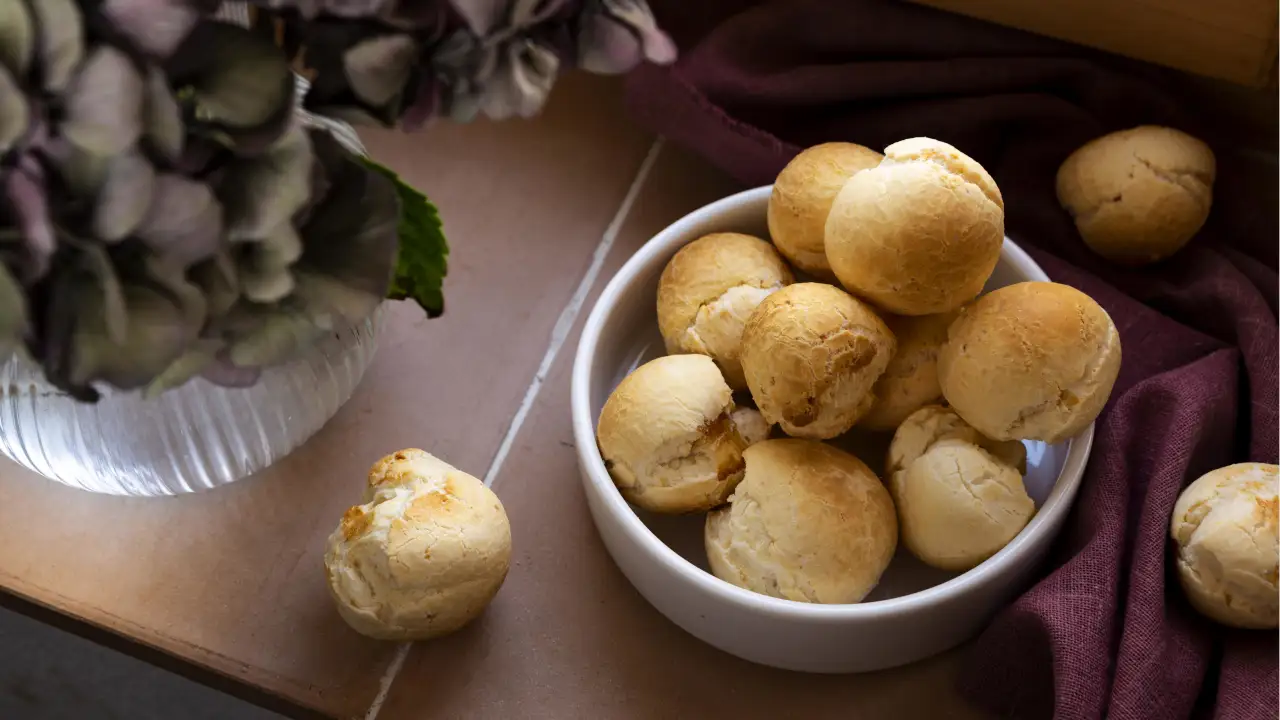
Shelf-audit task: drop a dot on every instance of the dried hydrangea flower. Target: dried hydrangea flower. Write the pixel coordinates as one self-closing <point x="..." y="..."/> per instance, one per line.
<point x="617" y="35"/>
<point x="166" y="208"/>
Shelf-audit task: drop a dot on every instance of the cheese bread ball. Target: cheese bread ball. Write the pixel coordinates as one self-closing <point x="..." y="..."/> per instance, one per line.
<point x="809" y="523"/>
<point x="802" y="197"/>
<point x="959" y="496"/>
<point x="1031" y="361"/>
<point x="423" y="555"/>
<point x="709" y="289"/>
<point x="911" y="380"/>
<point x="1139" y="195"/>
<point x="811" y="354"/>
<point x="1224" y="529"/>
<point x="932" y="424"/>
<point x="920" y="233"/>
<point x="668" y="437"/>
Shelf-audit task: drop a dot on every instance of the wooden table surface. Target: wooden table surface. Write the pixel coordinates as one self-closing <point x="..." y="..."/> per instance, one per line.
<point x="228" y="586"/>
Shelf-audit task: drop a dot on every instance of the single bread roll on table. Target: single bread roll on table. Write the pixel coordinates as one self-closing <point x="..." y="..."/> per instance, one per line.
<point x="1139" y="195"/>
<point x="709" y="289"/>
<point x="424" y="554"/>
<point x="1224" y="528"/>
<point x="920" y="233"/>
<point x="811" y="353"/>
<point x="1030" y="361"/>
<point x="802" y="197"/>
<point x="809" y="523"/>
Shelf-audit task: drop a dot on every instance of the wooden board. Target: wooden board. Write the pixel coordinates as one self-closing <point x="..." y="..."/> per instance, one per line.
<point x="1231" y="40"/>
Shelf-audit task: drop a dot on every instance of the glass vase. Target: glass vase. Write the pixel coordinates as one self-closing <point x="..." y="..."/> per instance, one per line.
<point x="194" y="437"/>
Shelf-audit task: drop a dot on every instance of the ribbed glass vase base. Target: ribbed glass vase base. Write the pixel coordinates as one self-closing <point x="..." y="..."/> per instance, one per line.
<point x="192" y="438"/>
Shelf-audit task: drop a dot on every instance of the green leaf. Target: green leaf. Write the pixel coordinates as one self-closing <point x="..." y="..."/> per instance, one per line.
<point x="424" y="254"/>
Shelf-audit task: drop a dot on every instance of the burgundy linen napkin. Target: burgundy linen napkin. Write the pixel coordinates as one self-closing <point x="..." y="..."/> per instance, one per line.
<point x="1106" y="631"/>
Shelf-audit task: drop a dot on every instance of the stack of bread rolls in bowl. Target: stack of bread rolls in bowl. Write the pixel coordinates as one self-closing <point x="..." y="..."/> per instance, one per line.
<point x="833" y="424"/>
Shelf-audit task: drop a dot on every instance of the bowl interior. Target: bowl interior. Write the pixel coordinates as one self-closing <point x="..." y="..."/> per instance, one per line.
<point x="629" y="337"/>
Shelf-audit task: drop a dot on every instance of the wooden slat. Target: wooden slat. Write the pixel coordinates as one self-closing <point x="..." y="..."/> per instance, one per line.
<point x="1231" y="40"/>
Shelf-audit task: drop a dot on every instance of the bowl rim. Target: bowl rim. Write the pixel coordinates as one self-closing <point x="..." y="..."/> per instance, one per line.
<point x="656" y="250"/>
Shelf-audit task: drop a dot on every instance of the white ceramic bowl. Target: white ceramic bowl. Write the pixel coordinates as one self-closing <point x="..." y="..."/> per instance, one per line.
<point x="914" y="612"/>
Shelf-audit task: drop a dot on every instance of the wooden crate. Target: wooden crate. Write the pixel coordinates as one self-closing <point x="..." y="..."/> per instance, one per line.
<point x="1232" y="40"/>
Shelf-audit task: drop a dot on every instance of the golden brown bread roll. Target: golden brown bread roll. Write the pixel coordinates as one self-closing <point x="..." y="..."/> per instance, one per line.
<point x="934" y="423"/>
<point x="709" y="289"/>
<point x="1139" y="195"/>
<point x="668" y="437"/>
<point x="809" y="523"/>
<point x="802" y="197"/>
<point x="911" y="380"/>
<point x="1031" y="361"/>
<point x="423" y="555"/>
<point x="811" y="353"/>
<point x="1224" y="528"/>
<point x="920" y="233"/>
<point x="959" y="496"/>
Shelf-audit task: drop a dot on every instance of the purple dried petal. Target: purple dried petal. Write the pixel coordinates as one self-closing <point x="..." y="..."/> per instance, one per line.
<point x="237" y="81"/>
<point x="265" y="275"/>
<point x="602" y="49"/>
<point x="172" y="279"/>
<point x="276" y="334"/>
<point x="165" y="315"/>
<point x="426" y="104"/>
<point x="104" y="104"/>
<point x="379" y="68"/>
<point x="115" y="318"/>
<point x="462" y="65"/>
<point x="280" y="250"/>
<point x="267" y="285"/>
<point x="156" y="337"/>
<point x="82" y="172"/>
<point x="246" y="81"/>
<point x="216" y="278"/>
<point x="17" y="37"/>
<point x="607" y="47"/>
<point x="350" y="241"/>
<point x="524" y="14"/>
<point x="61" y="44"/>
<point x="198" y="153"/>
<point x="157" y="27"/>
<point x="15" y="114"/>
<point x="125" y="196"/>
<point x="189" y="365"/>
<point x="521" y="82"/>
<point x="227" y="374"/>
<point x="481" y="16"/>
<point x="164" y="129"/>
<point x="265" y="192"/>
<point x="183" y="223"/>
<point x="25" y="191"/>
<point x="635" y="14"/>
